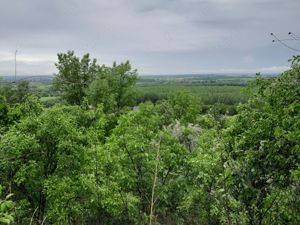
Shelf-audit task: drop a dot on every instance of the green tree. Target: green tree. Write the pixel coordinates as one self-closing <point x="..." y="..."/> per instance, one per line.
<point x="149" y="161"/>
<point x="113" y="87"/>
<point x="21" y="91"/>
<point x="44" y="159"/>
<point x="182" y="106"/>
<point x="15" y="93"/>
<point x="3" y="112"/>
<point x="74" y="76"/>
<point x="264" y="142"/>
<point x="31" y="106"/>
<point x="7" y="92"/>
<point x="247" y="171"/>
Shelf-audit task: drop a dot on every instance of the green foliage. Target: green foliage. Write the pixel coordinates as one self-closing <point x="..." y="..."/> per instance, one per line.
<point x="30" y="107"/>
<point x="264" y="139"/>
<point x="74" y="76"/>
<point x="109" y="86"/>
<point x="21" y="92"/>
<point x="113" y="87"/>
<point x="44" y="152"/>
<point x="7" y="92"/>
<point x="50" y="101"/>
<point x="133" y="146"/>
<point x="165" y="163"/>
<point x="3" y="112"/>
<point x="15" y="93"/>
<point x="181" y="106"/>
<point x="210" y="95"/>
<point x="6" y="209"/>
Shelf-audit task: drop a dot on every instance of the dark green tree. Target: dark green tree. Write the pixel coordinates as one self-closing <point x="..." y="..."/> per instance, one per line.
<point x="182" y="106"/>
<point x="15" y="93"/>
<point x="148" y="163"/>
<point x="21" y="91"/>
<point x="264" y="143"/>
<point x="3" y="112"/>
<point x="113" y="87"/>
<point x="45" y="161"/>
<point x="74" y="76"/>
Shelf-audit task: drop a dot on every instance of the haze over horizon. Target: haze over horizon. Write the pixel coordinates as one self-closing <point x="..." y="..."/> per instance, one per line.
<point x="158" y="36"/>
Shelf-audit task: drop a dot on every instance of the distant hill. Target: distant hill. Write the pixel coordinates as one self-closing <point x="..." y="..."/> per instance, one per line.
<point x="206" y="79"/>
<point x="35" y="78"/>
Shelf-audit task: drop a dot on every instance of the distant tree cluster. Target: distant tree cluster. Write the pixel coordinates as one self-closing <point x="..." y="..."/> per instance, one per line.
<point x="15" y="93"/>
<point x="78" y="79"/>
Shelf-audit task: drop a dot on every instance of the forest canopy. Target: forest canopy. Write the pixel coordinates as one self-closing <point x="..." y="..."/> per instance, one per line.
<point x="98" y="157"/>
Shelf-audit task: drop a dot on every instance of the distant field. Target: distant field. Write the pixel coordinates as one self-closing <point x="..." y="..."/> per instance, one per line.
<point x="204" y="80"/>
<point x="211" y="89"/>
<point x="229" y="95"/>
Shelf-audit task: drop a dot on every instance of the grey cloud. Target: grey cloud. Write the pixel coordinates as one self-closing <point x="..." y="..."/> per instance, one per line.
<point x="175" y="31"/>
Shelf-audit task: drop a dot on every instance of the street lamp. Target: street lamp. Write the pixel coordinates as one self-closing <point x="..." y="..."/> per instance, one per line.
<point x="16" y="66"/>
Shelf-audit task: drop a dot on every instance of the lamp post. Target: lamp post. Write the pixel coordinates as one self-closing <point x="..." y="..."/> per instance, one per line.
<point x="16" y="66"/>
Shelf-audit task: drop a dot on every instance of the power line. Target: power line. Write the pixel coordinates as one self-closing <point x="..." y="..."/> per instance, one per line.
<point x="282" y="41"/>
<point x="295" y="36"/>
<point x="287" y="39"/>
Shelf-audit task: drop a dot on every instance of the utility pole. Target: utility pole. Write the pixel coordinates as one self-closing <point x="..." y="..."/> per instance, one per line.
<point x="16" y="66"/>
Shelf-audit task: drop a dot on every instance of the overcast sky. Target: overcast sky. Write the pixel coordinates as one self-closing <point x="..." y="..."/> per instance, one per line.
<point x="157" y="36"/>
